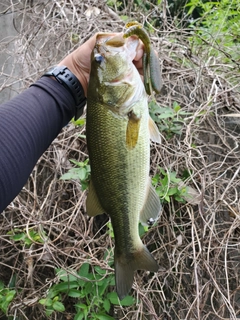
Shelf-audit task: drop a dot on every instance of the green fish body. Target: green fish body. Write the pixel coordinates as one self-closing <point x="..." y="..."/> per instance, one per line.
<point x="119" y="129"/>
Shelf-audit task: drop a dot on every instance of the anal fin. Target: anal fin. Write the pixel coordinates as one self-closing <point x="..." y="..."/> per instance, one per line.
<point x="152" y="207"/>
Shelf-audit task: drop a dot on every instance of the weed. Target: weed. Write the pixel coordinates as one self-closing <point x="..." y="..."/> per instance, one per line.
<point x="217" y="29"/>
<point x="169" y="120"/>
<point x="90" y="286"/>
<point x="168" y="185"/>
<point x="82" y="173"/>
<point x="6" y="296"/>
<point x="26" y="238"/>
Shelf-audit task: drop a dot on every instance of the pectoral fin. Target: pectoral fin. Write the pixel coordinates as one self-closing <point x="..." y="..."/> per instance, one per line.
<point x="154" y="132"/>
<point x="132" y="130"/>
<point x="152" y="207"/>
<point x="93" y="205"/>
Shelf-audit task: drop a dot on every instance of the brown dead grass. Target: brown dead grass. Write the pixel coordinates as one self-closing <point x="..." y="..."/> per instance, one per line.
<point x="197" y="246"/>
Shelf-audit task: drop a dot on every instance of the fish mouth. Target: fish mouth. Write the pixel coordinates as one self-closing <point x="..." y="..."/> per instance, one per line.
<point x="116" y="41"/>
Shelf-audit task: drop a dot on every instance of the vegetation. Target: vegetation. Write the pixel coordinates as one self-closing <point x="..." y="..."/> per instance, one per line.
<point x="89" y="292"/>
<point x="56" y="262"/>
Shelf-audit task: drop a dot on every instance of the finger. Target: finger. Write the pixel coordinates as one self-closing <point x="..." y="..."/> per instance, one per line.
<point x="138" y="65"/>
<point x="139" y="51"/>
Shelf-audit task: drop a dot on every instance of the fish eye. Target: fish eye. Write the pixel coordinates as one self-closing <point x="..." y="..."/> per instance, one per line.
<point x="151" y="222"/>
<point x="98" y="58"/>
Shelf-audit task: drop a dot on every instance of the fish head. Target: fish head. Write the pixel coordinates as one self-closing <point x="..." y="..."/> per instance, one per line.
<point x="114" y="80"/>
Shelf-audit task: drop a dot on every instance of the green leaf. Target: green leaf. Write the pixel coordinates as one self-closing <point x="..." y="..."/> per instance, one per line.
<point x="112" y="296"/>
<point x="62" y="287"/>
<point x="58" y="306"/>
<point x="46" y="302"/>
<point x="74" y="293"/>
<point x="90" y="288"/>
<point x="10" y="295"/>
<point x="49" y="311"/>
<point x="99" y="270"/>
<point x="84" y="270"/>
<point x="106" y="305"/>
<point x="172" y="191"/>
<point x="166" y="115"/>
<point x="173" y="177"/>
<point x="18" y="237"/>
<point x="82" y="136"/>
<point x="127" y="301"/>
<point x="79" y="122"/>
<point x="70" y="175"/>
<point x="104" y="286"/>
<point x="65" y="276"/>
<point x="176" y="106"/>
<point x="167" y="198"/>
<point x="79" y="316"/>
<point x="124" y="18"/>
<point x="84" y="185"/>
<point x="103" y="317"/>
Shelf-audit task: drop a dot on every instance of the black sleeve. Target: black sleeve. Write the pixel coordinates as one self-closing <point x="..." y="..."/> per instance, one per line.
<point x="28" y="125"/>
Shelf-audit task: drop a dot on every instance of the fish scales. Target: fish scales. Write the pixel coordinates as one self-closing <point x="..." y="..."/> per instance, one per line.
<point x="119" y="176"/>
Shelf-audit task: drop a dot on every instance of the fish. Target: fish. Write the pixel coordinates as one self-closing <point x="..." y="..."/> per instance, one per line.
<point x="118" y="132"/>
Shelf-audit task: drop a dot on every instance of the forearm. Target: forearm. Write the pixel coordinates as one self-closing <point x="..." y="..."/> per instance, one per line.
<point x="28" y="125"/>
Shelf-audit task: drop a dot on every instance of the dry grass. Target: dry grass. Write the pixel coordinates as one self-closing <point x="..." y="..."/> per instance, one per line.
<point x="197" y="246"/>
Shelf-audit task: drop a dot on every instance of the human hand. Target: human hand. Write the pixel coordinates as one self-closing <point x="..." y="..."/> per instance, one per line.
<point x="79" y="61"/>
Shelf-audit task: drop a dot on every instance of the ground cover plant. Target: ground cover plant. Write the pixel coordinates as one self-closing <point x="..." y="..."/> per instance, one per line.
<point x="55" y="261"/>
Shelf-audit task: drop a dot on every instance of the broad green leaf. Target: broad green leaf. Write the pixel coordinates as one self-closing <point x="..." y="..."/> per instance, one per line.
<point x="46" y="302"/>
<point x="65" y="276"/>
<point x="81" y="306"/>
<point x="79" y="122"/>
<point x="167" y="198"/>
<point x="74" y="293"/>
<point x="71" y="174"/>
<point x="10" y="295"/>
<point x="49" y="311"/>
<point x="127" y="301"/>
<point x="62" y="287"/>
<point x="166" y="115"/>
<point x="112" y="296"/>
<point x="18" y="237"/>
<point x="103" y="287"/>
<point x="172" y="191"/>
<point x="100" y="271"/>
<point x="106" y="305"/>
<point x="90" y="288"/>
<point x="84" y="270"/>
<point x="79" y="316"/>
<point x="58" y="306"/>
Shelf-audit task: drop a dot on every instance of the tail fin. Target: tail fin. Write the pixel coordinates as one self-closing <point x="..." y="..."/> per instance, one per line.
<point x="125" y="267"/>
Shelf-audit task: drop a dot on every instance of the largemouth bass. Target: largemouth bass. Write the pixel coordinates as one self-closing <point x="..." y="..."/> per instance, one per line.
<point x="119" y="129"/>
